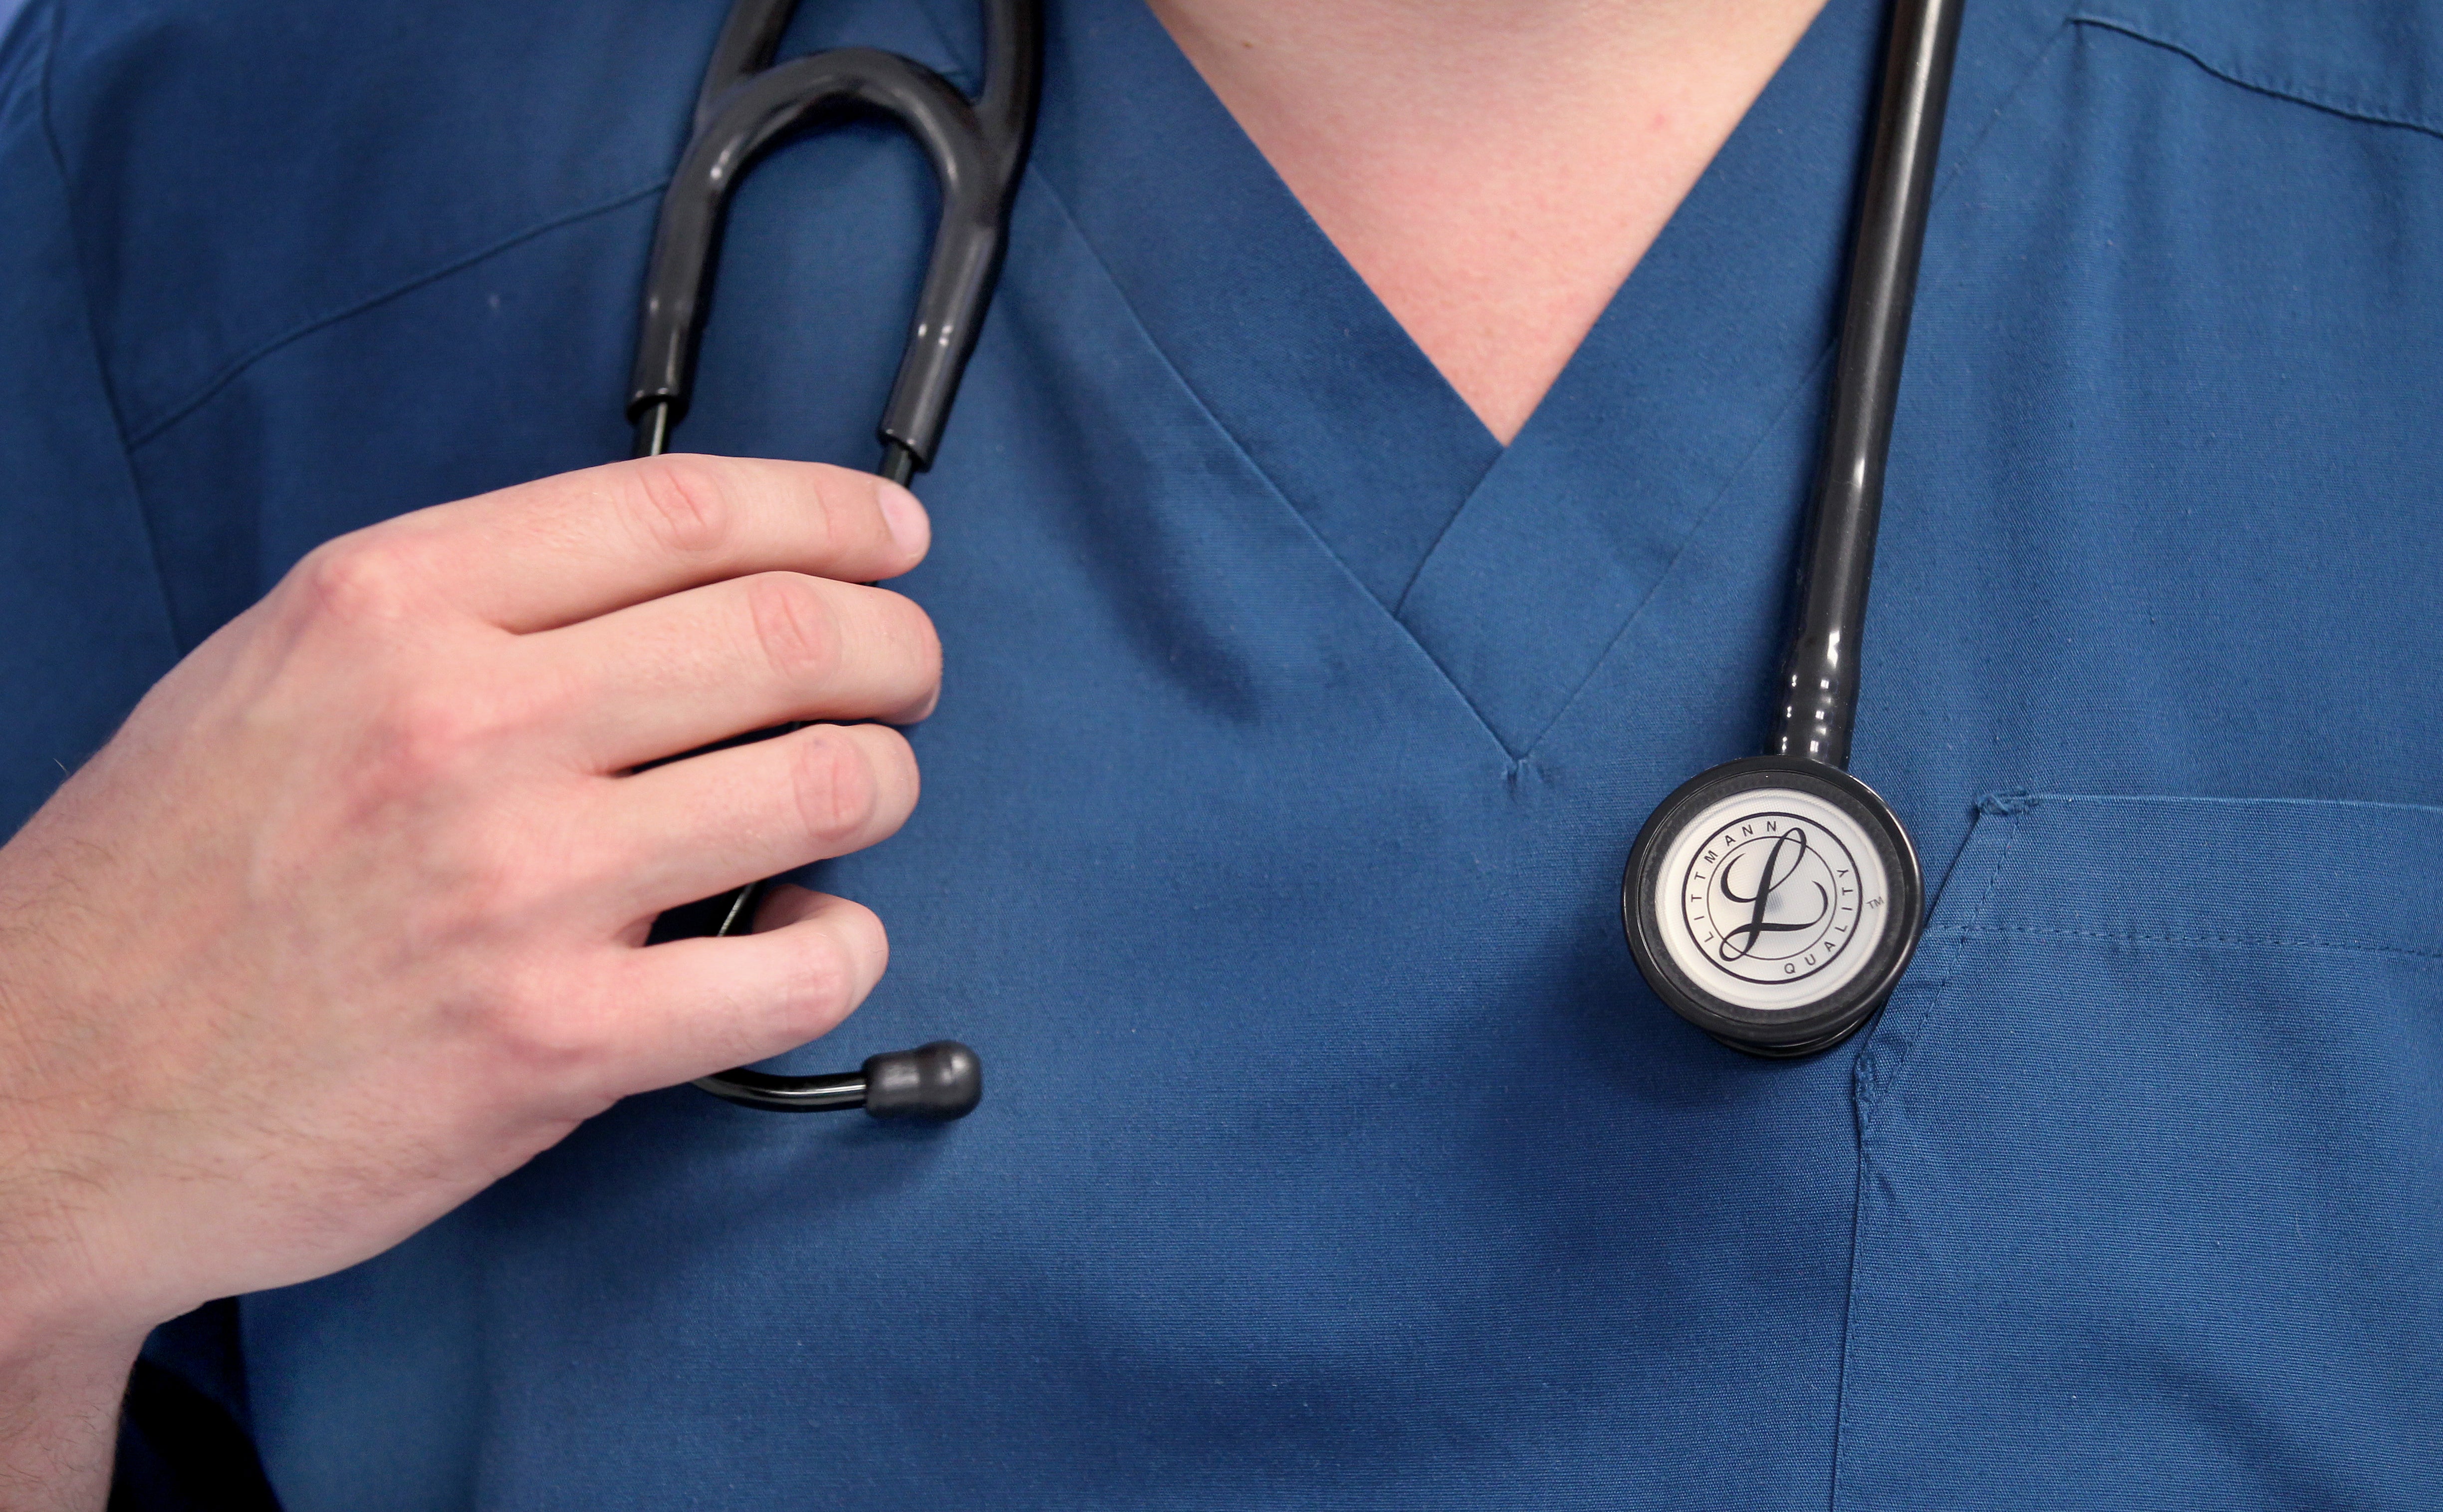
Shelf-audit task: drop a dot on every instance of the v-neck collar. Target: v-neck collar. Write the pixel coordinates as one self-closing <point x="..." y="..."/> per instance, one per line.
<point x="1265" y="322"/>
<point x="1516" y="570"/>
<point x="1706" y="351"/>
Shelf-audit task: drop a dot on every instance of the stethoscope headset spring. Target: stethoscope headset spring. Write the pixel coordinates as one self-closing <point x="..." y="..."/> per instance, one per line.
<point x="748" y="106"/>
<point x="1775" y="901"/>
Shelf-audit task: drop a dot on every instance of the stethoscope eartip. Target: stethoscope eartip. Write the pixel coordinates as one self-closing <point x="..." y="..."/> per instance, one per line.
<point x="937" y="1082"/>
<point x="931" y="1083"/>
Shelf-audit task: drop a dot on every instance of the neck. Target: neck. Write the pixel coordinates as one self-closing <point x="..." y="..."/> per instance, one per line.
<point x="1493" y="169"/>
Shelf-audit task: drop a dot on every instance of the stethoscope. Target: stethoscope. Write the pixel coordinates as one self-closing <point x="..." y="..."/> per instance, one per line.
<point x="747" y="107"/>
<point x="1772" y="902"/>
<point x="1775" y="901"/>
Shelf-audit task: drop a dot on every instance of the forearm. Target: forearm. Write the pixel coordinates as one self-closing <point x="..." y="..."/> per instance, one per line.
<point x="64" y="1351"/>
<point x="59" y="1419"/>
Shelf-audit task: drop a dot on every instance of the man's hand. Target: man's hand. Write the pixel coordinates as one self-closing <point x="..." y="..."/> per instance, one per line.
<point x="348" y="921"/>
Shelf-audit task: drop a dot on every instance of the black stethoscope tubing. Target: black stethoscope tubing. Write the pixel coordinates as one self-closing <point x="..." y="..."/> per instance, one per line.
<point x="1818" y="693"/>
<point x="1815" y="699"/>
<point x="747" y="105"/>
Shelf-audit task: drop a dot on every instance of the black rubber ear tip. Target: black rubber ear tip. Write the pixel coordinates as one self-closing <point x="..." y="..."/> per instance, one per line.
<point x="937" y="1082"/>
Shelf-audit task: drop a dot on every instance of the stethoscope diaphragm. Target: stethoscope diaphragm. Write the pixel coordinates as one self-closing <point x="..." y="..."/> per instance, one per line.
<point x="1773" y="903"/>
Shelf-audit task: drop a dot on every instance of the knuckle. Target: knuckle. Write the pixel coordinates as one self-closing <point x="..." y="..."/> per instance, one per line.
<point x="795" y="626"/>
<point x="540" y="692"/>
<point x="825" y="981"/>
<point x="912" y="629"/>
<point x="835" y="788"/>
<point x="499" y="893"/>
<point x="822" y="979"/>
<point x="478" y="879"/>
<point x="840" y="495"/>
<point x="426" y="730"/>
<point x="822" y="523"/>
<point x="542" y="1030"/>
<point x="357" y="580"/>
<point x="895" y="764"/>
<point x="683" y="503"/>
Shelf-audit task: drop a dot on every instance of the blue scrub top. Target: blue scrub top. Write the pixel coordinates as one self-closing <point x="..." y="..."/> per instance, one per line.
<point x="1293" y="737"/>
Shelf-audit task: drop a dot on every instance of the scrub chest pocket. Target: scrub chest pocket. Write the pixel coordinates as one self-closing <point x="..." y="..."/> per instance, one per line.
<point x="2151" y="1180"/>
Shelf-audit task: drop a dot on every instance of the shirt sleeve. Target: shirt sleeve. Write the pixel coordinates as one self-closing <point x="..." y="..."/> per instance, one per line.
<point x="83" y="625"/>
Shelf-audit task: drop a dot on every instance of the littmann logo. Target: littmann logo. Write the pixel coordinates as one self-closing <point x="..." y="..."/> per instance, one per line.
<point x="1773" y="896"/>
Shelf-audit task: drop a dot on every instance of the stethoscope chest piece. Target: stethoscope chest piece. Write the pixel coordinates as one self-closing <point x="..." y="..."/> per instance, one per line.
<point x="1773" y="903"/>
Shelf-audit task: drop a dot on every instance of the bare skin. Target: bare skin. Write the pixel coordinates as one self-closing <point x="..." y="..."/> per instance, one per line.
<point x="347" y="921"/>
<point x="1493" y="169"/>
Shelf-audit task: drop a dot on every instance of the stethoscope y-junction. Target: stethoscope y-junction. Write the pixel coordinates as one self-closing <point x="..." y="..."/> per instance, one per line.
<point x="1772" y="902"/>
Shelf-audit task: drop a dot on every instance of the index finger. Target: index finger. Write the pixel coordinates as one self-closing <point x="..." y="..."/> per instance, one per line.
<point x="567" y="548"/>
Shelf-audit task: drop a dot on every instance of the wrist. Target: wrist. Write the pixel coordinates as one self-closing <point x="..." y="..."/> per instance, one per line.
<point x="64" y="1357"/>
<point x="41" y="1330"/>
<point x="59" y="1300"/>
<point x="66" y="1344"/>
<point x="60" y="1402"/>
<point x="71" y="1280"/>
<point x="57" y="1306"/>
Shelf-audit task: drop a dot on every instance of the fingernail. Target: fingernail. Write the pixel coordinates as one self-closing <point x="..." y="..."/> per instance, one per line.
<point x="904" y="517"/>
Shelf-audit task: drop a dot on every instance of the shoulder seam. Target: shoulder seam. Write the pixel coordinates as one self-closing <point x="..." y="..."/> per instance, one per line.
<point x="2307" y="95"/>
<point x="232" y="369"/>
<point x="50" y="29"/>
<point x="49" y="25"/>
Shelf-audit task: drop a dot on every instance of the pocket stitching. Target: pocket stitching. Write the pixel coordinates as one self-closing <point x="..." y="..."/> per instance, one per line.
<point x="1870" y="1089"/>
<point x="1879" y="1074"/>
<point x="2259" y="941"/>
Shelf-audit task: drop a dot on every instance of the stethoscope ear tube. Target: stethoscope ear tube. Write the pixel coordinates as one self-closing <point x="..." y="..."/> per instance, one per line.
<point x="976" y="148"/>
<point x="1775" y="901"/>
<point x="745" y="109"/>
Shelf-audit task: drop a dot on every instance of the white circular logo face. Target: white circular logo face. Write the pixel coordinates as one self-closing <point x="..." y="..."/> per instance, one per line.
<point x="1780" y="899"/>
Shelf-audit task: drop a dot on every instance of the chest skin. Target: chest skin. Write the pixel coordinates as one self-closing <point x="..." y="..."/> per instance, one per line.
<point x="1292" y="740"/>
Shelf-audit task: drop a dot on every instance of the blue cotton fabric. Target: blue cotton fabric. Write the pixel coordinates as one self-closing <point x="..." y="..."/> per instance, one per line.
<point x="1293" y="736"/>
